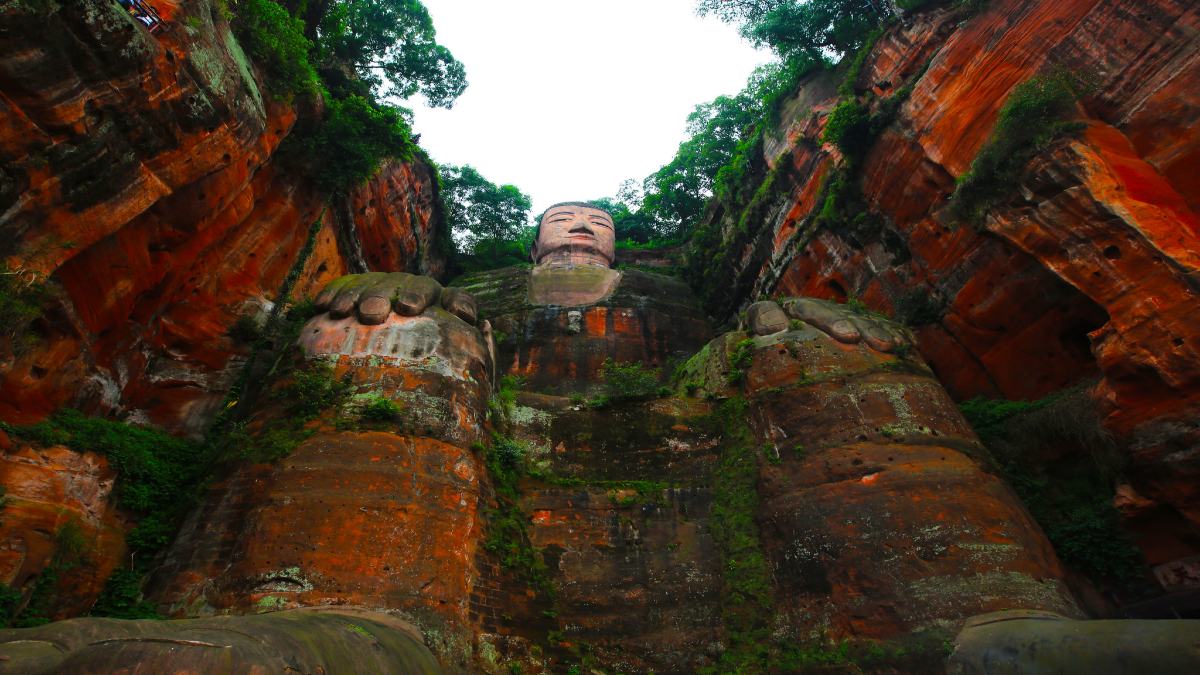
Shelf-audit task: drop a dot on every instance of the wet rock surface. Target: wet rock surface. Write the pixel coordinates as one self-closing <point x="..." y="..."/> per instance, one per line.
<point x="1032" y="642"/>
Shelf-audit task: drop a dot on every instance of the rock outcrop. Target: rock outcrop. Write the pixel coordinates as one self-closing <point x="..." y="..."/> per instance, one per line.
<point x="139" y="180"/>
<point x="345" y="640"/>
<point x="380" y="510"/>
<point x="1088" y="270"/>
<point x="58" y="512"/>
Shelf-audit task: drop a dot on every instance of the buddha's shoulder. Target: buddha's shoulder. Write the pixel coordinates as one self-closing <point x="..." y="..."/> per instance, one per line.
<point x="664" y="292"/>
<point x="497" y="291"/>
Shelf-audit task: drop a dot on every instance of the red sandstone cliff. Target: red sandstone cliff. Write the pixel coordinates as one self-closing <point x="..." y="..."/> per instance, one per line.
<point x="1091" y="268"/>
<point x="138" y="176"/>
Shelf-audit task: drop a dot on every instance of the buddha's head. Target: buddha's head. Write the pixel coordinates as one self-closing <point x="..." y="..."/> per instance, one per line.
<point x="575" y="233"/>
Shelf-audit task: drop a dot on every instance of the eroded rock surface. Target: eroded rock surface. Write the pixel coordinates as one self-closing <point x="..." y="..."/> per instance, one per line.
<point x="382" y="511"/>
<point x="51" y="495"/>
<point x="1087" y="270"/>
<point x="139" y="178"/>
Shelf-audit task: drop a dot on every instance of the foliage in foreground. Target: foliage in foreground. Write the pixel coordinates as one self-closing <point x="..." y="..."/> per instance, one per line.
<point x="389" y="45"/>
<point x="157" y="471"/>
<point x="746" y="599"/>
<point x="627" y="382"/>
<point x="507" y="525"/>
<point x="276" y="41"/>
<point x="723" y="137"/>
<point x="22" y="298"/>
<point x="158" y="481"/>
<point x="487" y="219"/>
<point x="352" y="140"/>
<point x="802" y="28"/>
<point x="1062" y="463"/>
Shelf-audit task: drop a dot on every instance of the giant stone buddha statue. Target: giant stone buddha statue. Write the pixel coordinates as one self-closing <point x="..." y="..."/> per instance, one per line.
<point x="864" y="495"/>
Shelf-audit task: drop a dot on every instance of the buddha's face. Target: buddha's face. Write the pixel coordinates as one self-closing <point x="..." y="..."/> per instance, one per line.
<point x="576" y="234"/>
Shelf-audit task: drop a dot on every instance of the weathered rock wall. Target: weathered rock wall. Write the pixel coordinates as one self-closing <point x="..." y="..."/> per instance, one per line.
<point x="1090" y="269"/>
<point x="52" y="494"/>
<point x="139" y="178"/>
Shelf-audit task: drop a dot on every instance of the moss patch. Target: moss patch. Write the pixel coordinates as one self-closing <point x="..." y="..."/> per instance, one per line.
<point x="1038" y="112"/>
<point x="746" y="600"/>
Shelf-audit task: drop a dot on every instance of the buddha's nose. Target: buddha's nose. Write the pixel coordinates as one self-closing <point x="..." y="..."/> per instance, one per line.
<point x="581" y="226"/>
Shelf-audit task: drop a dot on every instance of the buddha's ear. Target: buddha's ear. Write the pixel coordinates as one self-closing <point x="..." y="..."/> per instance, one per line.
<point x="533" y="251"/>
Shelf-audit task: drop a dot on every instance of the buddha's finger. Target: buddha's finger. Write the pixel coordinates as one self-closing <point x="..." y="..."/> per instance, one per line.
<point x="766" y="318"/>
<point x="417" y="293"/>
<point x="375" y="301"/>
<point x="830" y="318"/>
<point x="346" y="298"/>
<point x="331" y="290"/>
<point x="461" y="304"/>
<point x="875" y="334"/>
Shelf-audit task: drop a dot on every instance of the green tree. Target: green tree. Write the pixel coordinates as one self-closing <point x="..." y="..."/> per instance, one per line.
<point x="385" y="47"/>
<point x="484" y="217"/>
<point x="720" y="133"/>
<point x="630" y="223"/>
<point x="353" y="139"/>
<point x="793" y="28"/>
<point x="362" y="50"/>
<point x="275" y="41"/>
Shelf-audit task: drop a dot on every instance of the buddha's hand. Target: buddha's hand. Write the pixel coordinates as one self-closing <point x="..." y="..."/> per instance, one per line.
<point x="840" y="322"/>
<point x="373" y="296"/>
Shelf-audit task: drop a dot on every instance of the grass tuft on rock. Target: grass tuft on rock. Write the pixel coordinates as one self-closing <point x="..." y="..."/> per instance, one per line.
<point x="1038" y="112"/>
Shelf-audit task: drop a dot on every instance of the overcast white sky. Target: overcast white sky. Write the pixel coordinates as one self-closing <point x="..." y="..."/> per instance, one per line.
<point x="567" y="98"/>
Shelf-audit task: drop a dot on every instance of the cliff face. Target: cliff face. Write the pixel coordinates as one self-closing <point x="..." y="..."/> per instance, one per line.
<point x="52" y="495"/>
<point x="1088" y="269"/>
<point x="790" y="487"/>
<point x="139" y="180"/>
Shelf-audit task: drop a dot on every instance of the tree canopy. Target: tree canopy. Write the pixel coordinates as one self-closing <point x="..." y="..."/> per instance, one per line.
<point x="722" y="133"/>
<point x="484" y="218"/>
<point x="796" y="28"/>
<point x="725" y="133"/>
<point x="353" y="53"/>
<point x="389" y="45"/>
